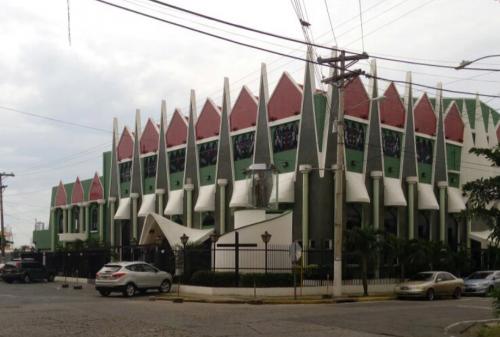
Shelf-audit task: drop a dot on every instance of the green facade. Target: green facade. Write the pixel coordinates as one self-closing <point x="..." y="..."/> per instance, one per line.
<point x="354" y="137"/>
<point x="392" y="147"/>
<point x="176" y="162"/>
<point x="284" y="139"/>
<point x="320" y="110"/>
<point x="243" y="145"/>
<point x="207" y="160"/>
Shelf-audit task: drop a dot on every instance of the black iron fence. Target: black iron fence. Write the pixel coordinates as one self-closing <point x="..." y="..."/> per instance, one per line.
<point x="247" y="266"/>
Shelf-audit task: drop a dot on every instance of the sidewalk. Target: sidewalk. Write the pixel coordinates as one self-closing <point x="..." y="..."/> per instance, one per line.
<point x="173" y="297"/>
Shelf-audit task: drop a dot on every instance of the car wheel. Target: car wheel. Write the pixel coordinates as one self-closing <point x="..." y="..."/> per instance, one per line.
<point x="8" y="281"/>
<point x="457" y="293"/>
<point x="129" y="290"/>
<point x="104" y="293"/>
<point x="165" y="286"/>
<point x="27" y="278"/>
<point x="50" y="278"/>
<point x="430" y="295"/>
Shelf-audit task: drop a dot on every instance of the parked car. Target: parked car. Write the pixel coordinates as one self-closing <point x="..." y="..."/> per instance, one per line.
<point x="482" y="282"/>
<point x="26" y="270"/>
<point x="130" y="277"/>
<point x="431" y="284"/>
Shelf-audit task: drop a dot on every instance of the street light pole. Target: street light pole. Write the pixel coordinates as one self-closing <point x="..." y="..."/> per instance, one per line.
<point x="340" y="81"/>
<point x="2" y="228"/>
<point x="266" y="237"/>
<point x="466" y="63"/>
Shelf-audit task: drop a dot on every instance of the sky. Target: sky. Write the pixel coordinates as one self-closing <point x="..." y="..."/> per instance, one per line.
<point x="118" y="62"/>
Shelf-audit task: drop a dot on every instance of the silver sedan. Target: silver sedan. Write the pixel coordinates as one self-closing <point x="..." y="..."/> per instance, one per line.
<point x="131" y="277"/>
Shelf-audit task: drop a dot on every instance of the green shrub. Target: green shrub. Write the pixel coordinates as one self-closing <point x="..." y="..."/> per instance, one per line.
<point x="267" y="280"/>
<point x="213" y="279"/>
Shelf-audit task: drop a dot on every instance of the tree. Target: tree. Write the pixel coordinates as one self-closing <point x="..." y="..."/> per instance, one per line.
<point x="366" y="243"/>
<point x="399" y="250"/>
<point x="484" y="192"/>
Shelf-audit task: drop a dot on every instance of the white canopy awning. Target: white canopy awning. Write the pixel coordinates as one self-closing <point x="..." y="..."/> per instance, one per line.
<point x="123" y="212"/>
<point x="175" y="203"/>
<point x="426" y="197"/>
<point x="286" y="188"/>
<point x="356" y="188"/>
<point x="393" y="193"/>
<point x="206" y="199"/>
<point x="455" y="200"/>
<point x="148" y="205"/>
<point x="241" y="189"/>
<point x="155" y="225"/>
<point x="482" y="237"/>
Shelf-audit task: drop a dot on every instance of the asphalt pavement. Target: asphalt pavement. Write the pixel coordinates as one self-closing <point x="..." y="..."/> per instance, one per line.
<point x="46" y="309"/>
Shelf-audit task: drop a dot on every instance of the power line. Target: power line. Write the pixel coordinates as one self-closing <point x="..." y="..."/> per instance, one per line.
<point x="52" y="119"/>
<point x="273" y="51"/>
<point x="330" y="21"/>
<point x="254" y="30"/>
<point x="361" y="24"/>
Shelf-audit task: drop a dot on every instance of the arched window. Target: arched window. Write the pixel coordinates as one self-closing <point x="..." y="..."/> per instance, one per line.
<point x="76" y="219"/>
<point x="94" y="217"/>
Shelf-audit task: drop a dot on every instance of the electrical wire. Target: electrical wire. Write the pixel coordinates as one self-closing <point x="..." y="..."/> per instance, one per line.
<point x="361" y="24"/>
<point x="269" y="50"/>
<point x="330" y="21"/>
<point x="290" y="39"/>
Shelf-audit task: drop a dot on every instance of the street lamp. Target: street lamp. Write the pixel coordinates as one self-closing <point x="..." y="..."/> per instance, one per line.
<point x="266" y="237"/>
<point x="214" y="237"/>
<point x="184" y="241"/>
<point x="465" y="63"/>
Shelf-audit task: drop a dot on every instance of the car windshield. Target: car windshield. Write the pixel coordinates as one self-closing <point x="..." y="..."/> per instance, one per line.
<point x="111" y="268"/>
<point x="422" y="277"/>
<point x="479" y="275"/>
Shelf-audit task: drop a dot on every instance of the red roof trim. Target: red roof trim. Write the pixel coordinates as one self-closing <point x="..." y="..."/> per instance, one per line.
<point x="149" y="137"/>
<point x="208" y="123"/>
<point x="96" y="190"/>
<point x="61" y="198"/>
<point x="177" y="130"/>
<point x="244" y="112"/>
<point x="286" y="99"/>
<point x="125" y="145"/>
<point x="425" y="118"/>
<point x="392" y="110"/>
<point x="356" y="99"/>
<point x="77" y="193"/>
<point x="453" y="124"/>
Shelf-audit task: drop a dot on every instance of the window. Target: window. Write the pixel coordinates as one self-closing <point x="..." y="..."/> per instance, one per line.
<point x="150" y="166"/>
<point x="59" y="220"/>
<point x="94" y="217"/>
<point x="147" y="268"/>
<point x="208" y="219"/>
<point x="285" y="136"/>
<point x="243" y="146"/>
<point x="125" y="169"/>
<point x="207" y="153"/>
<point x="76" y="219"/>
<point x="391" y="143"/>
<point x="424" y="150"/>
<point x="354" y="136"/>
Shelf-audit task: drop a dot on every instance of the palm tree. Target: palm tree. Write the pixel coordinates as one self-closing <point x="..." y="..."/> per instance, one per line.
<point x="366" y="243"/>
<point x="399" y="249"/>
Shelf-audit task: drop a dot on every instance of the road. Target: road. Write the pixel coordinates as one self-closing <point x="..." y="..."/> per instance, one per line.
<point x="45" y="309"/>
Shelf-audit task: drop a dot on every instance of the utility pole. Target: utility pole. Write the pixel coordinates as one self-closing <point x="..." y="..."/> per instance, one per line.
<point x="340" y="81"/>
<point x="2" y="188"/>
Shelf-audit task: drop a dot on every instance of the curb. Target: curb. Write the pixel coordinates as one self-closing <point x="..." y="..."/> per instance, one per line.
<point x="260" y="301"/>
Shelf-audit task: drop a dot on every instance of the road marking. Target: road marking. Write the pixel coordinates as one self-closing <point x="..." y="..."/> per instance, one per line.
<point x="451" y="326"/>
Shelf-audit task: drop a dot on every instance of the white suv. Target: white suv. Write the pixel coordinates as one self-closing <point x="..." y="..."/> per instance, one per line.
<point x="130" y="277"/>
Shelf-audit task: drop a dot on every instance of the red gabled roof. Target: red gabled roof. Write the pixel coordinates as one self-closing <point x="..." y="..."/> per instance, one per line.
<point x="208" y="122"/>
<point x="77" y="194"/>
<point x="392" y="110"/>
<point x="356" y="100"/>
<point x="425" y="118"/>
<point x="149" y="137"/>
<point x="96" y="191"/>
<point x="61" y="198"/>
<point x="244" y="113"/>
<point x="453" y="124"/>
<point x="177" y="130"/>
<point x="125" y="145"/>
<point x="286" y="99"/>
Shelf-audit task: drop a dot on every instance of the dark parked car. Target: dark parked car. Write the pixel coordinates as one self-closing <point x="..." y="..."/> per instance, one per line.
<point x="26" y="271"/>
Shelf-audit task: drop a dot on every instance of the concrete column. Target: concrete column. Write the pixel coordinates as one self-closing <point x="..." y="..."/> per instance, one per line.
<point x="69" y="220"/>
<point x="305" y="169"/>
<point x="189" y="204"/>
<point x="134" y="197"/>
<point x="222" y="204"/>
<point x="86" y="207"/>
<point x="65" y="219"/>
<point x="80" y="217"/>
<point x="52" y="229"/>
<point x="412" y="182"/>
<point x="469" y="230"/>
<point x="101" y="203"/>
<point x="376" y="176"/>
<point x="160" y="192"/>
<point x="442" y="185"/>
<point x="111" y="204"/>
